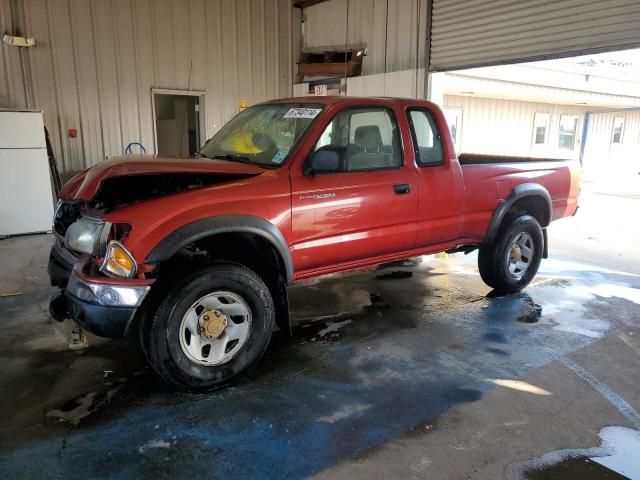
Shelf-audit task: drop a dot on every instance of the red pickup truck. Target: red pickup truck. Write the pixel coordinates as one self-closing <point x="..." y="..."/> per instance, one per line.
<point x="197" y="253"/>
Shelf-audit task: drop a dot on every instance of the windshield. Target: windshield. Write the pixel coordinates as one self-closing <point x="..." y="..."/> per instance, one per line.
<point x="263" y="134"/>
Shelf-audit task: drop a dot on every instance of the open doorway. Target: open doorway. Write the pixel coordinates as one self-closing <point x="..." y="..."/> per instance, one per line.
<point x="178" y="121"/>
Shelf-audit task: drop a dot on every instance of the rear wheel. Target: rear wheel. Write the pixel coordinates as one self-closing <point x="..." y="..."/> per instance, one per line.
<point x="512" y="261"/>
<point x="210" y="327"/>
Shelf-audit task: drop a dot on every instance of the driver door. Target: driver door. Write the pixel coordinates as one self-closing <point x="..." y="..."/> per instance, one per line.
<point x="368" y="209"/>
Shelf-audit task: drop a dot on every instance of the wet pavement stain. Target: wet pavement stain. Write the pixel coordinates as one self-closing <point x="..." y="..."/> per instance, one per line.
<point x="574" y="469"/>
<point x="616" y="458"/>
<point x="495" y="335"/>
<point x="497" y="351"/>
<point x="307" y="405"/>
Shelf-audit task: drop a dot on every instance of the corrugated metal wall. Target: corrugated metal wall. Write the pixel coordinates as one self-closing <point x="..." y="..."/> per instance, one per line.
<point x="505" y="127"/>
<point x="389" y="29"/>
<point x="404" y="83"/>
<point x="10" y="67"/>
<point x="469" y="33"/>
<point x="96" y="62"/>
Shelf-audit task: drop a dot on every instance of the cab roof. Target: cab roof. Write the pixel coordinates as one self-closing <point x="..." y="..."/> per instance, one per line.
<point x="342" y="100"/>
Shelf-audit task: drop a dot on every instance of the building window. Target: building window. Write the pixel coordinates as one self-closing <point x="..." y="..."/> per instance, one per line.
<point x="618" y="128"/>
<point x="567" y="132"/>
<point x="541" y="128"/>
<point x="454" y="121"/>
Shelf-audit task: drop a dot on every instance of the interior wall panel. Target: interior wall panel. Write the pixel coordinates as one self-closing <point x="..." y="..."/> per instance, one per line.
<point x="87" y="82"/>
<point x="65" y="80"/>
<point x="142" y="11"/>
<point x="392" y="30"/>
<point x="108" y="86"/>
<point x="127" y="75"/>
<point x="96" y="62"/>
<point x="11" y="86"/>
<point x="43" y="83"/>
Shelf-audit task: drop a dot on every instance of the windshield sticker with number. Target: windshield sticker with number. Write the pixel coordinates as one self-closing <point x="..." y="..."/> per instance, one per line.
<point x="280" y="155"/>
<point x="302" y="112"/>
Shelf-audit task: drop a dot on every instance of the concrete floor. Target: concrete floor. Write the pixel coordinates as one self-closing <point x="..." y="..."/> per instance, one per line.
<point x="412" y="370"/>
<point x="604" y="233"/>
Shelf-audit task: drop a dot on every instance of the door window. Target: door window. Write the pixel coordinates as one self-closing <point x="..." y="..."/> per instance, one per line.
<point x="370" y="136"/>
<point x="426" y="138"/>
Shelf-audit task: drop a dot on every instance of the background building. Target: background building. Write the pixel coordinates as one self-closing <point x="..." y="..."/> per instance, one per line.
<point x="587" y="109"/>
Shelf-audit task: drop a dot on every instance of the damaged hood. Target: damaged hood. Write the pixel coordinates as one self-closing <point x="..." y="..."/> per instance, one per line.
<point x="160" y="172"/>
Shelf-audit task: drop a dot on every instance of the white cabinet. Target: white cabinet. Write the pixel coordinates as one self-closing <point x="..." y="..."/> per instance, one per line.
<point x="26" y="198"/>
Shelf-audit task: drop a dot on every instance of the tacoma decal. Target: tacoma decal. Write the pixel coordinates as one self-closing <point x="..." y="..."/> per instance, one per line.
<point x="318" y="196"/>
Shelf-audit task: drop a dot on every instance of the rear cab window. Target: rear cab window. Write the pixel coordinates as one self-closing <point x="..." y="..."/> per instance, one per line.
<point x="427" y="140"/>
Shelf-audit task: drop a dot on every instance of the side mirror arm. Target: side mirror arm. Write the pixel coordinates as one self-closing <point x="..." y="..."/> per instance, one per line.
<point x="307" y="168"/>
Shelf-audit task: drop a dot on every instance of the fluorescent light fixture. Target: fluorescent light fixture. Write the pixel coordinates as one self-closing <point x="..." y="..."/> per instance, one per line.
<point x="19" y="41"/>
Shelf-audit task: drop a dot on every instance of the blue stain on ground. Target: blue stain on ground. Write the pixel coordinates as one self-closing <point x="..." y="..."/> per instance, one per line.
<point x="242" y="446"/>
<point x="316" y="401"/>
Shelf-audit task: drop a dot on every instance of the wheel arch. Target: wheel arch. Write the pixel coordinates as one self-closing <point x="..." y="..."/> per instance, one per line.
<point x="239" y="231"/>
<point x="225" y="224"/>
<point x="527" y="198"/>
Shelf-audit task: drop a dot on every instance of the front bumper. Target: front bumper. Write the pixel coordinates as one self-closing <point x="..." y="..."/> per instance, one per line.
<point x="102" y="305"/>
<point x="61" y="264"/>
<point x="109" y="322"/>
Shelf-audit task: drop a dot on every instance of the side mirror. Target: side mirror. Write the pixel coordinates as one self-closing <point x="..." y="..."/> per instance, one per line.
<point x="327" y="159"/>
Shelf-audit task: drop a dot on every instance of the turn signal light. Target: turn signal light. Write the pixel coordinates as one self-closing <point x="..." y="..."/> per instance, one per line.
<point x="118" y="261"/>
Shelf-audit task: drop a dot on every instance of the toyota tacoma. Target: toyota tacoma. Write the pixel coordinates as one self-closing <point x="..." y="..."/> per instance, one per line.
<point x="196" y="255"/>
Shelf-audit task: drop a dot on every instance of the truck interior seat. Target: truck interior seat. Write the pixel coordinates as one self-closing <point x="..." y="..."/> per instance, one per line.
<point x="370" y="152"/>
<point x="369" y="138"/>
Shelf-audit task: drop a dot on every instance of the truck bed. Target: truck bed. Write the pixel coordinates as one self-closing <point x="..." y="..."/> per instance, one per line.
<point x="491" y="178"/>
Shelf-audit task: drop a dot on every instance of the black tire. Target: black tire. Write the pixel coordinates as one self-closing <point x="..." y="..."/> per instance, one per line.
<point x="160" y="331"/>
<point x="493" y="260"/>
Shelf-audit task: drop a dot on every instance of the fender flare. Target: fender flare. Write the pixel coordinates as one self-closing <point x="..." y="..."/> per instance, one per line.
<point x="519" y="191"/>
<point x="206" y="227"/>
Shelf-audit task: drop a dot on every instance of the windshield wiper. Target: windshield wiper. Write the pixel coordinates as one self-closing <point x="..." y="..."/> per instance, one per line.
<point x="233" y="158"/>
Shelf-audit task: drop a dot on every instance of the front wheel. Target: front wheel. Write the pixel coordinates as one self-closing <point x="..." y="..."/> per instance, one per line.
<point x="210" y="327"/>
<point x="512" y="261"/>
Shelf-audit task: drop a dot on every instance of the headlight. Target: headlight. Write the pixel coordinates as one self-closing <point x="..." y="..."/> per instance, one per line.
<point x="118" y="261"/>
<point x="107" y="295"/>
<point x="88" y="235"/>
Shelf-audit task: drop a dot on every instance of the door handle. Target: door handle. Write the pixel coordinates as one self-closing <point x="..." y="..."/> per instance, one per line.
<point x="402" y="188"/>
